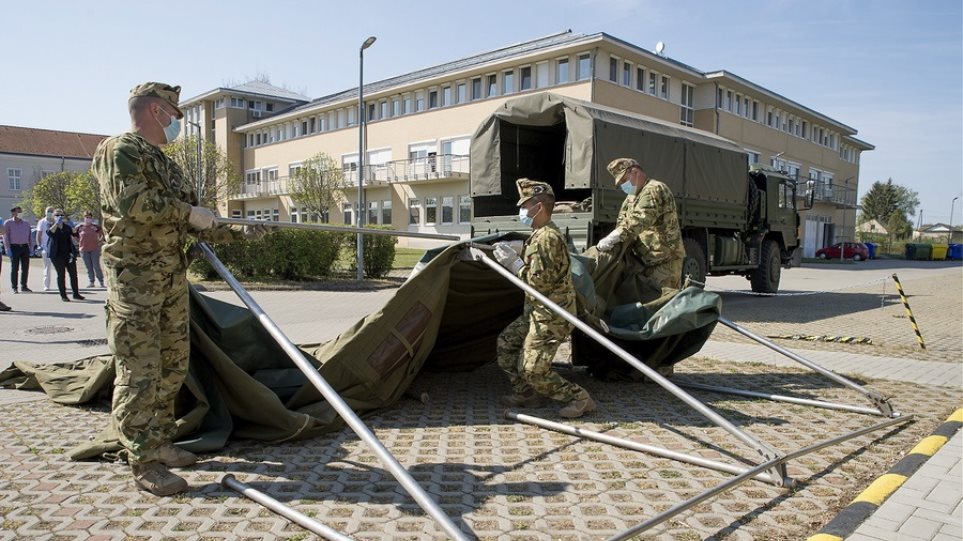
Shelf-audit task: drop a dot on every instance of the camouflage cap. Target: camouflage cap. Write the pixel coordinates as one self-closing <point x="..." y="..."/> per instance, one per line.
<point x="528" y="189"/>
<point x="164" y="91"/>
<point x="619" y="166"/>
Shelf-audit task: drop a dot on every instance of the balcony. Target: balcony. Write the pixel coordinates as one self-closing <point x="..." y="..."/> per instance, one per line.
<point x="841" y="196"/>
<point x="444" y="167"/>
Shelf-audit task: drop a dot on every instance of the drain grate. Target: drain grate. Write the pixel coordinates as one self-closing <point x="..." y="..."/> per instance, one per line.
<point x="49" y="329"/>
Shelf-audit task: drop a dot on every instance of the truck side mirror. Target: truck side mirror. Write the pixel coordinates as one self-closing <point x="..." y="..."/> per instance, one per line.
<point x="810" y="194"/>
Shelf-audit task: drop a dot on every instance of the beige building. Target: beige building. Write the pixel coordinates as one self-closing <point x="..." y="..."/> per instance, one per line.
<point x="419" y="126"/>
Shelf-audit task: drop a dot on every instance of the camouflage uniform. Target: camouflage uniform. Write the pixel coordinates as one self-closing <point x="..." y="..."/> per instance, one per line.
<point x="527" y="345"/>
<point x="146" y="203"/>
<point x="650" y="222"/>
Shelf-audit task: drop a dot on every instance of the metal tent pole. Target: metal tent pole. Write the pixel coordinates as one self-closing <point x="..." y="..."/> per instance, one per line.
<point x="766" y="451"/>
<point x="285" y="511"/>
<point x="635" y="446"/>
<point x="878" y="400"/>
<point x="783" y="398"/>
<point x="743" y="477"/>
<point x="335" y="228"/>
<point x="335" y="400"/>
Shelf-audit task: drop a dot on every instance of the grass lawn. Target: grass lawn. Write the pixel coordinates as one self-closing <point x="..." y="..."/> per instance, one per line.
<point x="405" y="258"/>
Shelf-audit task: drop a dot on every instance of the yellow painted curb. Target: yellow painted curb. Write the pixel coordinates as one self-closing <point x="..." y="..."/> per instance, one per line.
<point x="957" y="416"/>
<point x="929" y="446"/>
<point x="881" y="488"/>
<point x="824" y="537"/>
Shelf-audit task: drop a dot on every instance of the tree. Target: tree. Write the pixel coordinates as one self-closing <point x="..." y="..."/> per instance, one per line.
<point x="316" y="184"/>
<point x="221" y="179"/>
<point x="51" y="191"/>
<point x="83" y="194"/>
<point x="885" y="198"/>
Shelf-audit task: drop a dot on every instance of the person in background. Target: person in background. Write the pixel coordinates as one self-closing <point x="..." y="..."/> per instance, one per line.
<point x="63" y="254"/>
<point x="16" y="234"/>
<point x="91" y="237"/>
<point x="42" y="225"/>
<point x="3" y="307"/>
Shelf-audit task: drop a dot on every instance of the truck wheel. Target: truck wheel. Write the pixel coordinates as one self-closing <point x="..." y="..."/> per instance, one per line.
<point x="694" y="264"/>
<point x="765" y="279"/>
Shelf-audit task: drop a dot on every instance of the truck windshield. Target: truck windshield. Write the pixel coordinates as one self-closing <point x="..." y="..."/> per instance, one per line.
<point x="787" y="195"/>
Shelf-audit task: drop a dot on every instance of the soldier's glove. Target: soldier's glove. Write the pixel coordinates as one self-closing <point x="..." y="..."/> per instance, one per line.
<point x="201" y="218"/>
<point x="508" y="258"/>
<point x="256" y="232"/>
<point x="610" y="241"/>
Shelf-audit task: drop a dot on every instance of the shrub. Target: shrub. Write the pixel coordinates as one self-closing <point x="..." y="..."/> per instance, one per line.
<point x="286" y="254"/>
<point x="379" y="253"/>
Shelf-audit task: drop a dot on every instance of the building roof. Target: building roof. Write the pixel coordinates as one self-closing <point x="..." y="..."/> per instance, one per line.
<point x="255" y="89"/>
<point x="54" y="143"/>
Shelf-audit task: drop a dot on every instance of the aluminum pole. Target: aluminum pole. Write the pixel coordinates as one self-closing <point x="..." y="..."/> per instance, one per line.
<point x="742" y="478"/>
<point x="763" y="449"/>
<point x="635" y="446"/>
<point x="878" y="400"/>
<point x="334" y="228"/>
<point x="783" y="398"/>
<point x="295" y="516"/>
<point x="335" y="400"/>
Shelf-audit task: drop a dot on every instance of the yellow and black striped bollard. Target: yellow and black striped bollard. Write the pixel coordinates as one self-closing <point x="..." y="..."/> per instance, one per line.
<point x="909" y="313"/>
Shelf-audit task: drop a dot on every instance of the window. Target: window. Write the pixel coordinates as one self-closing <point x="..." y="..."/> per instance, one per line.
<point x="270" y="107"/>
<point x="464" y="209"/>
<point x="476" y="88"/>
<point x="294" y="215"/>
<point x="431" y="210"/>
<point x="613" y="69"/>
<point x="525" y="78"/>
<point x="386" y="212"/>
<point x="276" y="215"/>
<point x="271" y="174"/>
<point x="755" y="111"/>
<point x="739" y="104"/>
<point x="395" y="107"/>
<point x="432" y="99"/>
<point x="805" y="129"/>
<point x="561" y="71"/>
<point x="446" y="96"/>
<point x="372" y="212"/>
<point x="293" y="169"/>
<point x="653" y="78"/>
<point x="383" y="114"/>
<point x="686" y="111"/>
<point x="14" y="176"/>
<point x="447" y="210"/>
<point x="461" y="93"/>
<point x="313" y="125"/>
<point x="372" y="113"/>
<point x="252" y="178"/>
<point x="304" y="126"/>
<point x="626" y="74"/>
<point x="584" y="66"/>
<point x="492" y="85"/>
<point x="728" y="106"/>
<point x="414" y="212"/>
<point x="640" y="79"/>
<point x="541" y="75"/>
<point x="508" y="82"/>
<point x="346" y="212"/>
<point x="753" y="157"/>
<point x="406" y="105"/>
<point x="745" y="107"/>
<point x="419" y="101"/>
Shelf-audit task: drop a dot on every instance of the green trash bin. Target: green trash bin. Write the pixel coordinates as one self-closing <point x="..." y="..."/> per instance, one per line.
<point x="938" y="252"/>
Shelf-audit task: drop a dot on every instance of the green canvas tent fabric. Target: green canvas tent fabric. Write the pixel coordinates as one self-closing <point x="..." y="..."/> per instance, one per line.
<point x="445" y="317"/>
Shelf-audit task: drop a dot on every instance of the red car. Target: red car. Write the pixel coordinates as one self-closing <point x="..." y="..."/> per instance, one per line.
<point x="857" y="251"/>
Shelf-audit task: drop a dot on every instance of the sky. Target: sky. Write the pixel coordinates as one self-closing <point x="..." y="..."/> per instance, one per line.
<point x="893" y="70"/>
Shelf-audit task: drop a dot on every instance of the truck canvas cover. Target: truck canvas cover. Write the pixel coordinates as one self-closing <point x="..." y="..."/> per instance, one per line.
<point x="693" y="163"/>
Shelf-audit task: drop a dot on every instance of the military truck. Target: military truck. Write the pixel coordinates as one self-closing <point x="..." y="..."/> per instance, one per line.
<point x="735" y="220"/>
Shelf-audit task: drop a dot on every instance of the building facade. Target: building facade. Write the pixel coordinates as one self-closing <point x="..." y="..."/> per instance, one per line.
<point x="419" y="125"/>
<point x="29" y="154"/>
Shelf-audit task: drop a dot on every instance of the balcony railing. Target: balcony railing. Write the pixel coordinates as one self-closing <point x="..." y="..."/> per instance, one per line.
<point x="841" y="196"/>
<point x="446" y="166"/>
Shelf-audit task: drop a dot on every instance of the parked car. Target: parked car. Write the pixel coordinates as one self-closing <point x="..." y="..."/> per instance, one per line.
<point x="857" y="251"/>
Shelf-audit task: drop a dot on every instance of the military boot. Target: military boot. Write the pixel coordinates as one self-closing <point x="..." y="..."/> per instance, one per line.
<point x="528" y="399"/>
<point x="577" y="408"/>
<point x="172" y="455"/>
<point x="155" y="478"/>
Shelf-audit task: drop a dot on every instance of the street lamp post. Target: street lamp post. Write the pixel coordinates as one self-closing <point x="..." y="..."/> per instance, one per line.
<point x="359" y="218"/>
<point x="949" y="239"/>
<point x="842" y="246"/>
<point x="200" y="172"/>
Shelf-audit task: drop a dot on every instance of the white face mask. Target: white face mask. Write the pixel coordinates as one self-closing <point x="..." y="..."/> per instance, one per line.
<point x="523" y="216"/>
<point x="172" y="130"/>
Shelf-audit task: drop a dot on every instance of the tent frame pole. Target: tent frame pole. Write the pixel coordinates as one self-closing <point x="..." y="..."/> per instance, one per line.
<point x="334" y="228"/>
<point x="882" y="403"/>
<point x="783" y="398"/>
<point x="749" y="474"/>
<point x="636" y="446"/>
<point x="340" y="406"/>
<point x="767" y="452"/>
<point x="295" y="516"/>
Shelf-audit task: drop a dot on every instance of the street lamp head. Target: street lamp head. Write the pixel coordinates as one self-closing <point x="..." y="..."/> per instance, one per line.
<point x="368" y="42"/>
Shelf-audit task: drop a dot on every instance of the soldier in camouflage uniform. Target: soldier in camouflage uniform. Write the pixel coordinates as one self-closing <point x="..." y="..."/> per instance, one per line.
<point x="526" y="347"/>
<point x="649" y="222"/>
<point x="148" y="210"/>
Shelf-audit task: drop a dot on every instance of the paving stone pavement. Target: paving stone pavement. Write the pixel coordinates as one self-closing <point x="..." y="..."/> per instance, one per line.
<point x="504" y="480"/>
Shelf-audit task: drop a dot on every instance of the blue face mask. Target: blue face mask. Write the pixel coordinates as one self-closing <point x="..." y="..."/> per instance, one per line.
<point x="627" y="187"/>
<point x="525" y="218"/>
<point x="172" y="130"/>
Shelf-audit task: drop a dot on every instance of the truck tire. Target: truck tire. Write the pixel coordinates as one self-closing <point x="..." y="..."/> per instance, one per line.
<point x="765" y="278"/>
<point x="694" y="264"/>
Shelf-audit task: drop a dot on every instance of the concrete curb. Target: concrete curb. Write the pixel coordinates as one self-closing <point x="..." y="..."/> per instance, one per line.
<point x="869" y="500"/>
